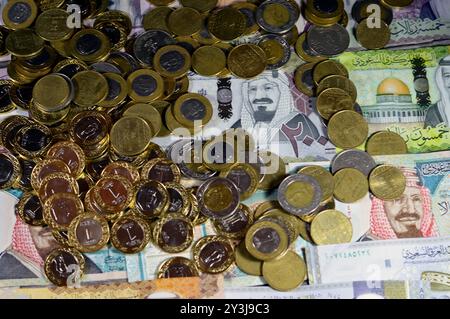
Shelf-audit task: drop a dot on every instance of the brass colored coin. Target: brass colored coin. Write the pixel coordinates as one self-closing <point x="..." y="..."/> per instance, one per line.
<point x="170" y="122"/>
<point x="61" y="209"/>
<point x="188" y="43"/>
<point x="227" y="24"/>
<point x="213" y="254"/>
<point x="200" y="5"/>
<point x="324" y="14"/>
<point x="373" y="38"/>
<point x="249" y="11"/>
<point x="88" y="232"/>
<point x="116" y="16"/>
<point x="245" y="177"/>
<point x="51" y="25"/>
<point x="184" y="21"/>
<point x="387" y="182"/>
<point x="338" y="81"/>
<point x="117" y="90"/>
<point x="149" y="113"/>
<point x="397" y="3"/>
<point x="323" y="177"/>
<point x="161" y="2"/>
<point x="46" y="167"/>
<point x="157" y="18"/>
<point x="386" y="143"/>
<point x="30" y="211"/>
<point x="247" y="61"/>
<point x="62" y="47"/>
<point x="332" y="100"/>
<point x="274" y="171"/>
<point x="11" y="170"/>
<point x="331" y="227"/>
<point x="130" y="234"/>
<point x="208" y="60"/>
<point x="350" y="185"/>
<point x="177" y="267"/>
<point x="124" y="169"/>
<point x="19" y="14"/>
<point x="303" y="79"/>
<point x="246" y="262"/>
<point x="52" y="93"/>
<point x="24" y="43"/>
<point x="145" y="85"/>
<point x="172" y="61"/>
<point x="161" y="170"/>
<point x="130" y="136"/>
<point x="265" y="207"/>
<point x="286" y="273"/>
<point x="57" y="262"/>
<point x="173" y="233"/>
<point x="6" y="86"/>
<point x="204" y="37"/>
<point x="90" y="45"/>
<point x="347" y="129"/>
<point x="304" y="52"/>
<point x="115" y="32"/>
<point x="91" y="88"/>
<point x="57" y="183"/>
<point x="192" y="110"/>
<point x="327" y="68"/>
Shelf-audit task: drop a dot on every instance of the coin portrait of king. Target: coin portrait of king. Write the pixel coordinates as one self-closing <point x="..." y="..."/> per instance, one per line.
<point x="410" y="216"/>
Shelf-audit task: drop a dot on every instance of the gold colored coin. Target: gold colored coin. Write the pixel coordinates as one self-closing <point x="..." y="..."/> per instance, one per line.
<point x="173" y="233"/>
<point x="89" y="45"/>
<point x="192" y="109"/>
<point x="347" y="129"/>
<point x="61" y="209"/>
<point x="246" y="262"/>
<point x="327" y="68"/>
<point x="145" y="85"/>
<point x="91" y="88"/>
<point x="161" y="2"/>
<point x="172" y="61"/>
<point x="331" y="227"/>
<point x="175" y="267"/>
<point x="373" y="38"/>
<point x="227" y="24"/>
<point x="247" y="61"/>
<point x="266" y="240"/>
<point x="395" y="4"/>
<point x="149" y="113"/>
<point x="89" y="232"/>
<point x="265" y="207"/>
<point x="332" y="100"/>
<point x="245" y="177"/>
<point x="24" y="43"/>
<point x="52" y="93"/>
<point x="274" y="50"/>
<point x="248" y="10"/>
<point x="19" y="14"/>
<point x="170" y="121"/>
<point x="386" y="143"/>
<point x="208" y="60"/>
<point x="115" y="16"/>
<point x="157" y="19"/>
<point x="213" y="254"/>
<point x="338" y="81"/>
<point x="286" y="273"/>
<point x="51" y="25"/>
<point x="323" y="177"/>
<point x="117" y="90"/>
<point x="387" y="182"/>
<point x="59" y="276"/>
<point x="200" y="5"/>
<point x="303" y="79"/>
<point x="350" y="185"/>
<point x="130" y="136"/>
<point x="46" y="167"/>
<point x="184" y="21"/>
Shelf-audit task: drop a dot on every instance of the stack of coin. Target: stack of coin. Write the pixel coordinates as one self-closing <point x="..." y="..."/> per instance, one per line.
<point x="324" y="13"/>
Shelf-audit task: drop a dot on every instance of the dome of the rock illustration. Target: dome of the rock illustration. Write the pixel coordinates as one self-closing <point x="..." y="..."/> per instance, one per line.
<point x="393" y="86"/>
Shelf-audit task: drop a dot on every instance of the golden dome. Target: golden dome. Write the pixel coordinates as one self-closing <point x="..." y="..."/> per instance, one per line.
<point x="393" y="86"/>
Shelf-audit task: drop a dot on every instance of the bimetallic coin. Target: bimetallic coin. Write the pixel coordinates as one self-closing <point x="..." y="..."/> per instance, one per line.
<point x="373" y="38"/>
<point x="117" y="16"/>
<point x="172" y="61"/>
<point x="208" y="60"/>
<point x="130" y="234"/>
<point x="357" y="159"/>
<point x="213" y="254"/>
<point x="304" y="51"/>
<point x="200" y="5"/>
<point x="218" y="197"/>
<point x="113" y="194"/>
<point x="90" y="45"/>
<point x="286" y="273"/>
<point x="300" y="194"/>
<point x="24" y="43"/>
<point x="117" y="90"/>
<point x="130" y="136"/>
<point x="184" y="21"/>
<point x="323" y="177"/>
<point x="276" y="16"/>
<point x="124" y="169"/>
<point x="89" y="128"/>
<point x="387" y="182"/>
<point x="350" y="185"/>
<point x="219" y="154"/>
<point x="6" y="104"/>
<point x="148" y="43"/>
<point x="328" y="41"/>
<point x="32" y="140"/>
<point x="177" y="267"/>
<point x="303" y="79"/>
<point x="277" y="49"/>
<point x="91" y="88"/>
<point x="236" y="225"/>
<point x="115" y="32"/>
<point x="24" y="182"/>
<point x="88" y="232"/>
<point x="347" y="129"/>
<point x="247" y="61"/>
<point x="162" y="170"/>
<point x="46" y="167"/>
<point x="151" y="198"/>
<point x="386" y="143"/>
<point x="19" y="14"/>
<point x="192" y="110"/>
<point x="332" y="100"/>
<point x="173" y="233"/>
<point x="324" y="13"/>
<point x="245" y="177"/>
<point x="331" y="227"/>
<point x="20" y="96"/>
<point x="246" y="262"/>
<point x="157" y="19"/>
<point x="145" y="85"/>
<point x="30" y="210"/>
<point x="266" y="240"/>
<point x="60" y="209"/>
<point x="62" y="264"/>
<point x="70" y="67"/>
<point x="51" y="25"/>
<point x="227" y="24"/>
<point x="179" y="202"/>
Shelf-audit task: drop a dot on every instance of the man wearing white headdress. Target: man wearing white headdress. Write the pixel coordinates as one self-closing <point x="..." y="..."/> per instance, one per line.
<point x="436" y="9"/>
<point x="269" y="114"/>
<point x="440" y="112"/>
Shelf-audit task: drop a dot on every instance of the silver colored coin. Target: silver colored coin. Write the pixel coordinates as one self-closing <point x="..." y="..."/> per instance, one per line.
<point x="357" y="159"/>
<point x="265" y="25"/>
<point x="218" y="196"/>
<point x="148" y="43"/>
<point x="328" y="41"/>
<point x="105" y="67"/>
<point x="286" y="50"/>
<point x="299" y="211"/>
<point x="235" y="223"/>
